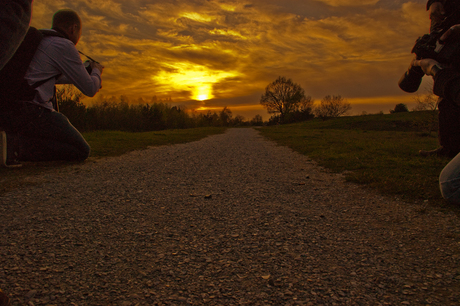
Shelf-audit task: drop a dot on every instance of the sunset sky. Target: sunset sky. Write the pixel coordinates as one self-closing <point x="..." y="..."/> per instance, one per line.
<point x="214" y="53"/>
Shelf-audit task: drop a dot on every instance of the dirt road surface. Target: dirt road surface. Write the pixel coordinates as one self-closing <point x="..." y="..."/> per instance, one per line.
<point x="232" y="219"/>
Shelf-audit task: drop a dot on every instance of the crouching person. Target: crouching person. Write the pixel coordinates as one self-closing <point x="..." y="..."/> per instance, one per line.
<point x="32" y="128"/>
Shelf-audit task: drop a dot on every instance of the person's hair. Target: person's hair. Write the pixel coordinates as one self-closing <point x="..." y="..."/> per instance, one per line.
<point x="66" y="18"/>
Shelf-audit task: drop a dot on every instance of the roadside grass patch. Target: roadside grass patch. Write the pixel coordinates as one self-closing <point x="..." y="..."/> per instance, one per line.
<point x="380" y="151"/>
<point x="115" y="143"/>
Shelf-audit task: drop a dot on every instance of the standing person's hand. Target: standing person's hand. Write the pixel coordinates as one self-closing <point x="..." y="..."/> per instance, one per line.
<point x="428" y="65"/>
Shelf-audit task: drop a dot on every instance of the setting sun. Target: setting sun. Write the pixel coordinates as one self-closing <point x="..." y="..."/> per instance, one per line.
<point x="192" y="78"/>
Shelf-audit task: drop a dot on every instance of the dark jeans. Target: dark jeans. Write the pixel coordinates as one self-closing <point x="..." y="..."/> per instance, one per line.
<point x="40" y="134"/>
<point x="449" y="127"/>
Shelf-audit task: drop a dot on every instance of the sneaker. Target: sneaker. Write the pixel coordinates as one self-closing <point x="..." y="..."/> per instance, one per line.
<point x="8" y="156"/>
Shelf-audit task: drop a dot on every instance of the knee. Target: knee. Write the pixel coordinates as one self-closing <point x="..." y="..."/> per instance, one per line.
<point x="450" y="188"/>
<point x="84" y="152"/>
<point x="78" y="151"/>
<point x="450" y="195"/>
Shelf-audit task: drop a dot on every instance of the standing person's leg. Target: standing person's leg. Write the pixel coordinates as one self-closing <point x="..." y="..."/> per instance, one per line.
<point x="449" y="128"/>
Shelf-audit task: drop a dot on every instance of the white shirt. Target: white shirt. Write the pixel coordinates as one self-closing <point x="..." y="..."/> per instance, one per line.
<point x="57" y="58"/>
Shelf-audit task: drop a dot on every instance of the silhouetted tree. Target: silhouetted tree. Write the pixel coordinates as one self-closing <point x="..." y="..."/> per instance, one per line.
<point x="332" y="107"/>
<point x="428" y="101"/>
<point x="282" y="97"/>
<point x="257" y="120"/>
<point x="225" y="116"/>
<point x="302" y="112"/>
<point x="238" y="120"/>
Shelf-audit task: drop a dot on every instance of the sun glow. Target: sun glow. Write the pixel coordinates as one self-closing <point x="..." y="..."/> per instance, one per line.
<point x="197" y="17"/>
<point x="203" y="97"/>
<point x="196" y="79"/>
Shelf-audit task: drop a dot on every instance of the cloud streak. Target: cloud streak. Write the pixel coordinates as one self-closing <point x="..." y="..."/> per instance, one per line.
<point x="227" y="51"/>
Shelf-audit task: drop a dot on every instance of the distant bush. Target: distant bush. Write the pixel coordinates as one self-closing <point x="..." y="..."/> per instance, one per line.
<point x="399" y="108"/>
<point x="332" y="107"/>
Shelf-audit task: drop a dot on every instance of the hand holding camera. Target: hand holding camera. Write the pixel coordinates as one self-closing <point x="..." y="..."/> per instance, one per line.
<point x="90" y="64"/>
<point x="431" y="66"/>
<point x="441" y="47"/>
<point x="97" y="66"/>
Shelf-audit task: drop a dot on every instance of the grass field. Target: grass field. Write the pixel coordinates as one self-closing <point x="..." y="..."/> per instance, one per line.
<point x="380" y="151"/>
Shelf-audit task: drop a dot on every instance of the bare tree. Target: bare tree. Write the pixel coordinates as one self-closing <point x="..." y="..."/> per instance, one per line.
<point x="332" y="107"/>
<point x="428" y="101"/>
<point x="225" y="116"/>
<point x="282" y="96"/>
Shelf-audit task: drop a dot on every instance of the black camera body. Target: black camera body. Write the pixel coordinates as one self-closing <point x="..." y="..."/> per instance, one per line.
<point x="429" y="46"/>
<point x="447" y="53"/>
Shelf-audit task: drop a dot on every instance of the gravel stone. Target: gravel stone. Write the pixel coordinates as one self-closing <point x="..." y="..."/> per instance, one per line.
<point x="232" y="219"/>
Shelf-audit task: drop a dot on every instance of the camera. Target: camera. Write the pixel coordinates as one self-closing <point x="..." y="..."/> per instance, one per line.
<point x="87" y="65"/>
<point x="88" y="62"/>
<point x="430" y="46"/>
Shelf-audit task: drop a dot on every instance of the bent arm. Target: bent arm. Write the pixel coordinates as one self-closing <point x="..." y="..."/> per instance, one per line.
<point x="14" y="22"/>
<point x="74" y="72"/>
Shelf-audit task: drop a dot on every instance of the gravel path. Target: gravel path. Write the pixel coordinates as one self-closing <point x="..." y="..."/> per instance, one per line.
<point x="232" y="219"/>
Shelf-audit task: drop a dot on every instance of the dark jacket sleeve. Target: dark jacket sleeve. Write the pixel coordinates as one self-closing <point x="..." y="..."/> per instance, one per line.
<point x="447" y="84"/>
<point x="14" y="21"/>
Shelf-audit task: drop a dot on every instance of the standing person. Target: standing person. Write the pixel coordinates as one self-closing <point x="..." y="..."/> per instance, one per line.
<point x="447" y="86"/>
<point x="14" y="21"/>
<point x="35" y="131"/>
<point x="449" y="113"/>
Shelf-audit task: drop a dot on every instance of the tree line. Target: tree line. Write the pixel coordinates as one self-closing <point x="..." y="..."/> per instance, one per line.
<point x="284" y="99"/>
<point x="119" y="114"/>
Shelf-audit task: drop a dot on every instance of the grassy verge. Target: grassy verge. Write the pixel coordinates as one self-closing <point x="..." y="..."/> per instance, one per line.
<point x="113" y="143"/>
<point x="105" y="144"/>
<point x="380" y="151"/>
